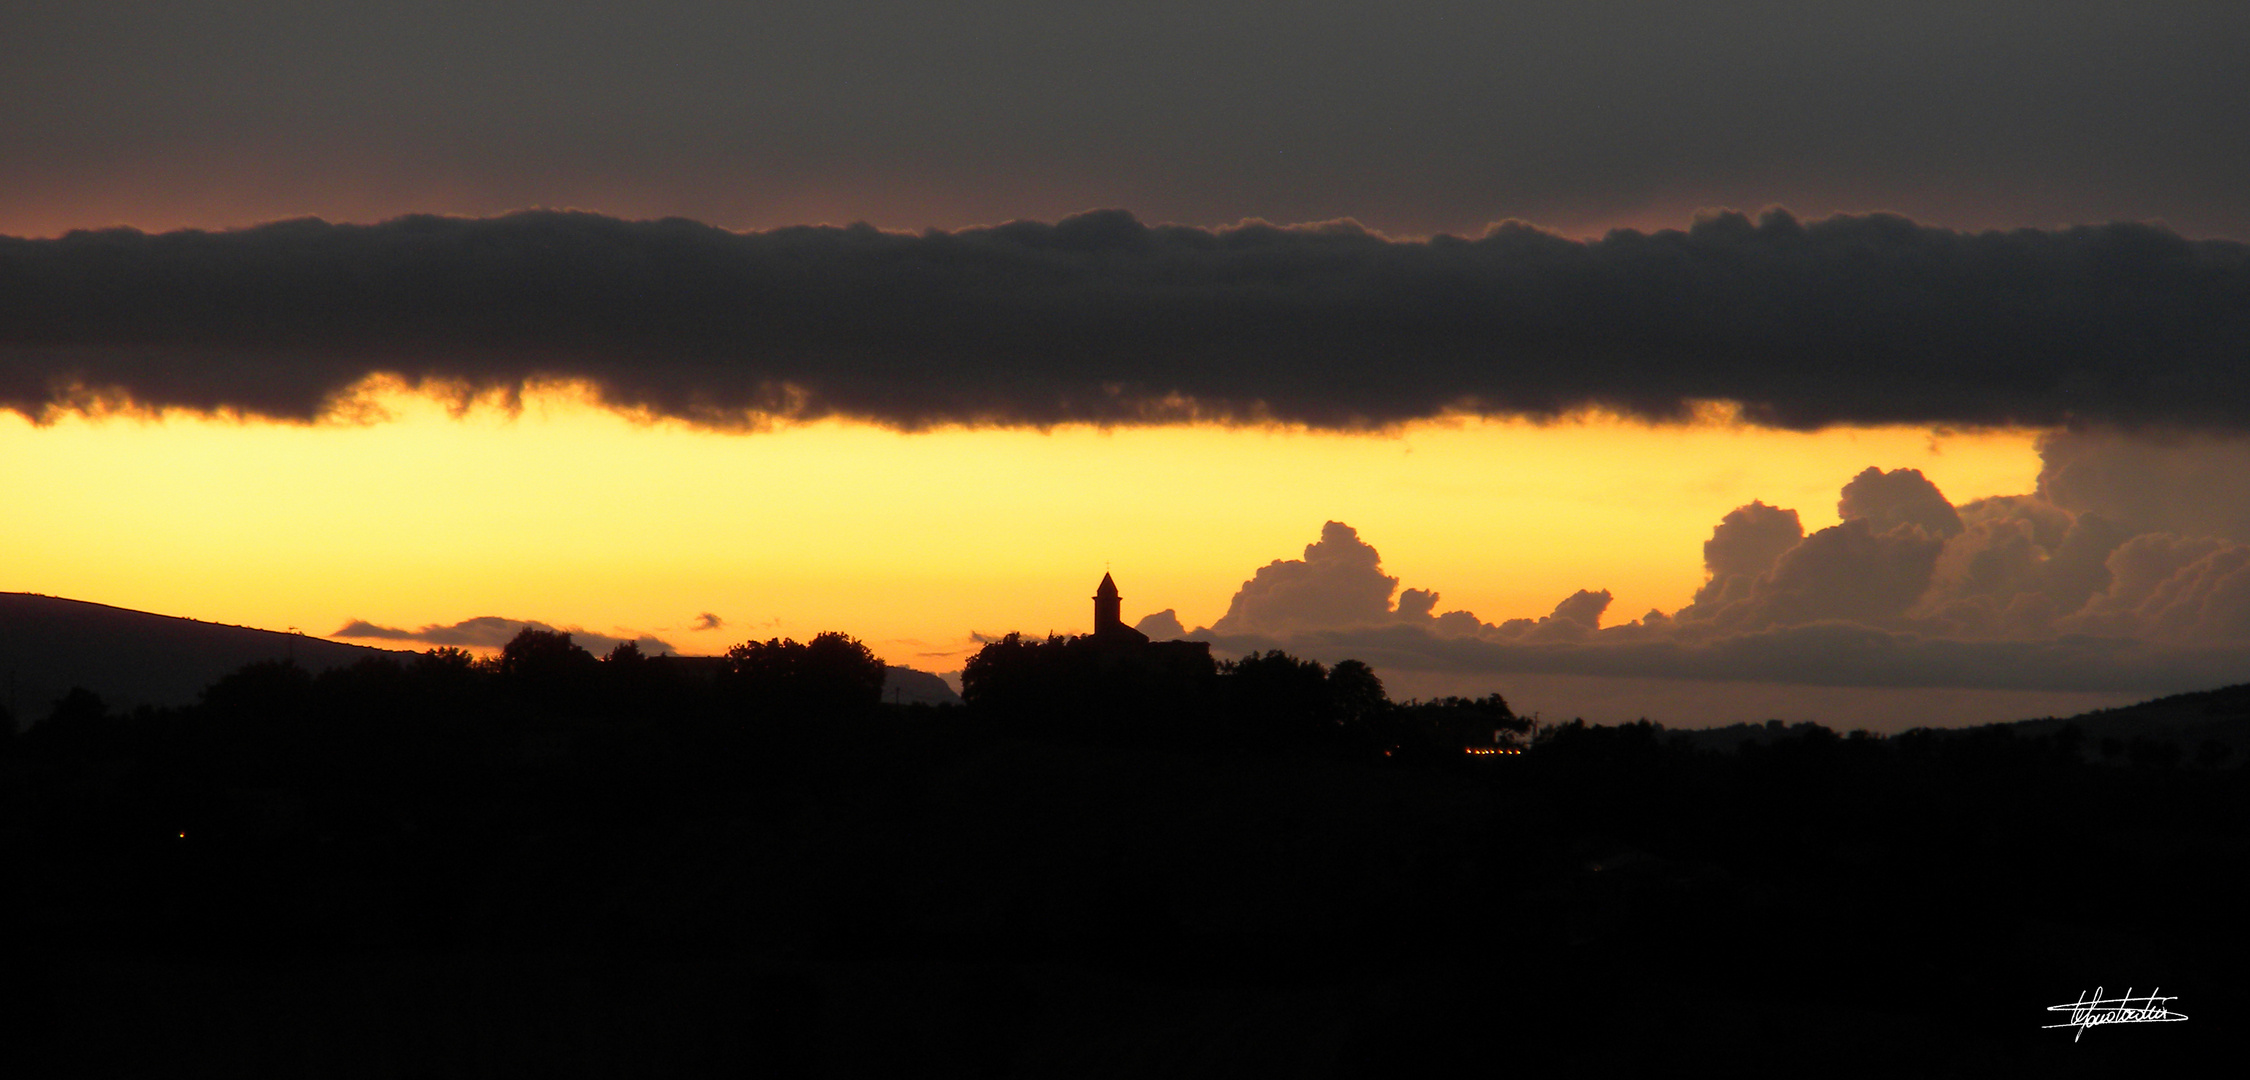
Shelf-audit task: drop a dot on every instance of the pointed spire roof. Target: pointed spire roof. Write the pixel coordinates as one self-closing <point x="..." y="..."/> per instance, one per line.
<point x="1107" y="588"/>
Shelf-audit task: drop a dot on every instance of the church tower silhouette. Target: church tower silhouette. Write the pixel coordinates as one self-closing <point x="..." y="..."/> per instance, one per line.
<point x="1109" y="619"/>
<point x="1108" y="606"/>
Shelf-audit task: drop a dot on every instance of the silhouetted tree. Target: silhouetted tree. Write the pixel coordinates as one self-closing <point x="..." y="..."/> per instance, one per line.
<point x="269" y="691"/>
<point x="1035" y="687"/>
<point x="989" y="670"/>
<point x="542" y="654"/>
<point x="1639" y="741"/>
<point x="449" y="681"/>
<point x="79" y="706"/>
<point x="547" y="667"/>
<point x="833" y="674"/>
<point x="1357" y="693"/>
<point x="1455" y="723"/>
<point x="1086" y="689"/>
<point x="1278" y="696"/>
<point x="78" y="723"/>
<point x="626" y="654"/>
<point x="445" y="668"/>
<point x="449" y="656"/>
<point x="627" y="677"/>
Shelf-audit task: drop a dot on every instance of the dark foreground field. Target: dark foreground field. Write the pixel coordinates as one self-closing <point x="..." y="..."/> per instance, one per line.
<point x="919" y="891"/>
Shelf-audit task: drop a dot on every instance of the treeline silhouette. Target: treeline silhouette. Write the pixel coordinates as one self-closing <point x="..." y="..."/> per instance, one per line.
<point x="1081" y="689"/>
<point x="549" y="862"/>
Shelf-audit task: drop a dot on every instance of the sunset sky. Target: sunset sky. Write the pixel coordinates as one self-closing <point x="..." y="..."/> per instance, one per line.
<point x="699" y="322"/>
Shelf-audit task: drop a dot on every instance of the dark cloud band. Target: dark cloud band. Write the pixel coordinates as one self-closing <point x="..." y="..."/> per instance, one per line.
<point x="1099" y="318"/>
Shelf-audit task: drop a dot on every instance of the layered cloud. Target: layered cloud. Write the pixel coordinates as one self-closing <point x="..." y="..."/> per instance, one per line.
<point x="1100" y="318"/>
<point x="2093" y="584"/>
<point x="492" y="632"/>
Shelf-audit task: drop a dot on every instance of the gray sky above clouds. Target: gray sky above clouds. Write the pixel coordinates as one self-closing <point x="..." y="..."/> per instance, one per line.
<point x="1414" y="117"/>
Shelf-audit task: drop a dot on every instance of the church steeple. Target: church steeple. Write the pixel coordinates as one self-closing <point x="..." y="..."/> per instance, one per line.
<point x="1108" y="606"/>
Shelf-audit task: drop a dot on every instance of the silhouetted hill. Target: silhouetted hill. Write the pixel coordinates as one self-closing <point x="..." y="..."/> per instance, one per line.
<point x="2207" y="727"/>
<point x="2220" y="716"/>
<point x="907" y="686"/>
<point x="49" y="644"/>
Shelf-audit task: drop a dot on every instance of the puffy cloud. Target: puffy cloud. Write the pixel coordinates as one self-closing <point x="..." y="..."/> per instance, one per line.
<point x="1162" y="626"/>
<point x="1339" y="582"/>
<point x="706" y="621"/>
<point x="1581" y="610"/>
<point x="1887" y="500"/>
<point x="1417" y="603"/>
<point x="2174" y="588"/>
<point x="1099" y="318"/>
<point x="1574" y="619"/>
<point x="2046" y="522"/>
<point x="2190" y="484"/>
<point x="1746" y="542"/>
<point x="1847" y="571"/>
<point x="2016" y="595"/>
<point x="2019" y="563"/>
<point x="1982" y="572"/>
<point x="492" y="632"/>
<point x="1743" y="547"/>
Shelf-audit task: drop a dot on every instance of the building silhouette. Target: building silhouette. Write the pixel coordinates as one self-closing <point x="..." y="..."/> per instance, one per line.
<point x="1109" y="621"/>
<point x="1123" y="647"/>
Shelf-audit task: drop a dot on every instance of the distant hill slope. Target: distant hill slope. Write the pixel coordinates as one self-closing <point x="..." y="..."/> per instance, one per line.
<point x="49" y="644"/>
<point x="909" y="686"/>
<point x="2186" y="721"/>
<point x="2221" y="715"/>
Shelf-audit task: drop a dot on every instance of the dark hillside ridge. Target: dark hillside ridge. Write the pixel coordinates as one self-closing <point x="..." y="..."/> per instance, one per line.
<point x="2218" y="717"/>
<point x="49" y="644"/>
<point x="912" y="686"/>
<point x="2207" y="727"/>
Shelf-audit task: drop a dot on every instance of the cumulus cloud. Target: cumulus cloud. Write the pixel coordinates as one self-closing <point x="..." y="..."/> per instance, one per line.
<point x="492" y="632"/>
<point x="1871" y="568"/>
<point x="1887" y="500"/>
<point x="1847" y="572"/>
<point x="2187" y="483"/>
<point x="1162" y="626"/>
<point x="2174" y="588"/>
<point x="706" y="621"/>
<point x="1339" y="582"/>
<point x="1744" y="546"/>
<point x="1101" y="318"/>
<point x="2018" y="593"/>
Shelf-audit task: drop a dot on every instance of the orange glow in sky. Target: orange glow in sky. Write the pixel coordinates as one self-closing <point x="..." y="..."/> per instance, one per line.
<point x="576" y="516"/>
